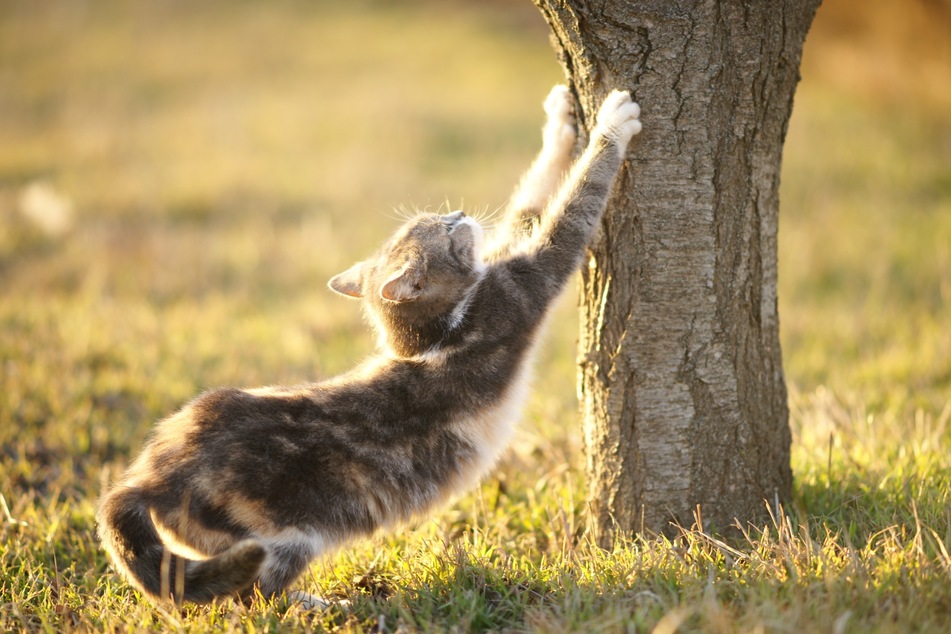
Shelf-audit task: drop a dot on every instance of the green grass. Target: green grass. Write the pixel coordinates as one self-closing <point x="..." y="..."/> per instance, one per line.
<point x="224" y="159"/>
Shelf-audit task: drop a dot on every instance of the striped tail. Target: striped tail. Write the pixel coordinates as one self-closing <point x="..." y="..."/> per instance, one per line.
<point x="129" y="536"/>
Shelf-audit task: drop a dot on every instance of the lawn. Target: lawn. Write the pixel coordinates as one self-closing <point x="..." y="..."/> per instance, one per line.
<point x="179" y="180"/>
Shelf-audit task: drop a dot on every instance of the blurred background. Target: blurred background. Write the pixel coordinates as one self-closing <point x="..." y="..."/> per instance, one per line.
<point x="178" y="180"/>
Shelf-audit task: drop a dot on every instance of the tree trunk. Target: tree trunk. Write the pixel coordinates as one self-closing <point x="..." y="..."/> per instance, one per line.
<point x="681" y="376"/>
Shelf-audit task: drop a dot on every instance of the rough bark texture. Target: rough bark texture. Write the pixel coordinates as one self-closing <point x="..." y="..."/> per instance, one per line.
<point x="681" y="377"/>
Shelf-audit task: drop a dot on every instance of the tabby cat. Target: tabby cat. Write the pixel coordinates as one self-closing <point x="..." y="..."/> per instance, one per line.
<point x="242" y="488"/>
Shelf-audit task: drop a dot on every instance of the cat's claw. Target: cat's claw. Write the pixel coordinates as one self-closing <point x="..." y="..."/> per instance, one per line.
<point x="618" y="119"/>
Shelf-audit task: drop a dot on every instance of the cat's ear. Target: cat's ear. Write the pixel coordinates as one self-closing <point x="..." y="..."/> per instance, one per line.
<point x="404" y="286"/>
<point x="350" y="282"/>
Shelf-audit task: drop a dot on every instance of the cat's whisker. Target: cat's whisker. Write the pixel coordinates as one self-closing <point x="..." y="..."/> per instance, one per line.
<point x="409" y="213"/>
<point x="397" y="216"/>
<point x="486" y="216"/>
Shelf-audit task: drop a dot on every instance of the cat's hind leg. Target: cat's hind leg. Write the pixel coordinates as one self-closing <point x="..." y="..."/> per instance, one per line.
<point x="284" y="563"/>
<point x="287" y="558"/>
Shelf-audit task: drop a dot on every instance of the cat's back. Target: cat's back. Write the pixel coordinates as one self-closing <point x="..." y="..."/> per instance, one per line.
<point x="384" y="395"/>
<point x="394" y="435"/>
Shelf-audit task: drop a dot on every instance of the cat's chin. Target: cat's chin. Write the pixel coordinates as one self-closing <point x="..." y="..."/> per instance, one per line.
<point x="477" y="234"/>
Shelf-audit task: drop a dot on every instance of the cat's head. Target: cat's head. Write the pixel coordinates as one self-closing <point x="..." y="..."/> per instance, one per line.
<point x="420" y="275"/>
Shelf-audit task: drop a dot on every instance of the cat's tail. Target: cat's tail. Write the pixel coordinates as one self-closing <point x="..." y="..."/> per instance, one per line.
<point x="129" y="535"/>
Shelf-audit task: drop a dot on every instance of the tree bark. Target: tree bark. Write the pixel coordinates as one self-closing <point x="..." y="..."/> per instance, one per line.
<point x="680" y="368"/>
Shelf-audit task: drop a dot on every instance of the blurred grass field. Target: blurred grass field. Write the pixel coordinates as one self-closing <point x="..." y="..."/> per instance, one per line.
<point x="178" y="181"/>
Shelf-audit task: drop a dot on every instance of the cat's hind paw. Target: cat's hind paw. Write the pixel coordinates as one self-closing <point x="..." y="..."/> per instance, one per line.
<point x="618" y="119"/>
<point x="312" y="603"/>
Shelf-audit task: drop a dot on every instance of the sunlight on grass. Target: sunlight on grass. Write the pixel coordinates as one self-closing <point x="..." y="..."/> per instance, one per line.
<point x="219" y="163"/>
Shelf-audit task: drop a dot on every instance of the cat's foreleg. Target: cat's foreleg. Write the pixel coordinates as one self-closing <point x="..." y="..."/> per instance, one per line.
<point x="549" y="168"/>
<point x="543" y="177"/>
<point x="569" y="221"/>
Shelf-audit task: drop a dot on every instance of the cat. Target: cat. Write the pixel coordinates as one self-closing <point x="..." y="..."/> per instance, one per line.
<point x="242" y="488"/>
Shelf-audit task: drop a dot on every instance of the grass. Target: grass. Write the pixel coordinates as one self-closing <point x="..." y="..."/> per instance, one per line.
<point x="222" y="162"/>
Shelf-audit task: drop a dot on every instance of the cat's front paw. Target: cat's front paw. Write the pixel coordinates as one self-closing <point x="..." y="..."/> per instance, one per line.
<point x="618" y="120"/>
<point x="558" y="105"/>
<point x="560" y="130"/>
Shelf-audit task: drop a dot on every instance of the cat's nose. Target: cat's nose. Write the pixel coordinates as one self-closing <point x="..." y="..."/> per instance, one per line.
<point x="454" y="217"/>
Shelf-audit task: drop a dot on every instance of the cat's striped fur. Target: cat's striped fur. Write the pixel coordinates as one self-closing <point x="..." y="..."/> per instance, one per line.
<point x="247" y="486"/>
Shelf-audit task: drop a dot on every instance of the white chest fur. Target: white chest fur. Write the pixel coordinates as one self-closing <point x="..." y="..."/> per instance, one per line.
<point x="490" y="430"/>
